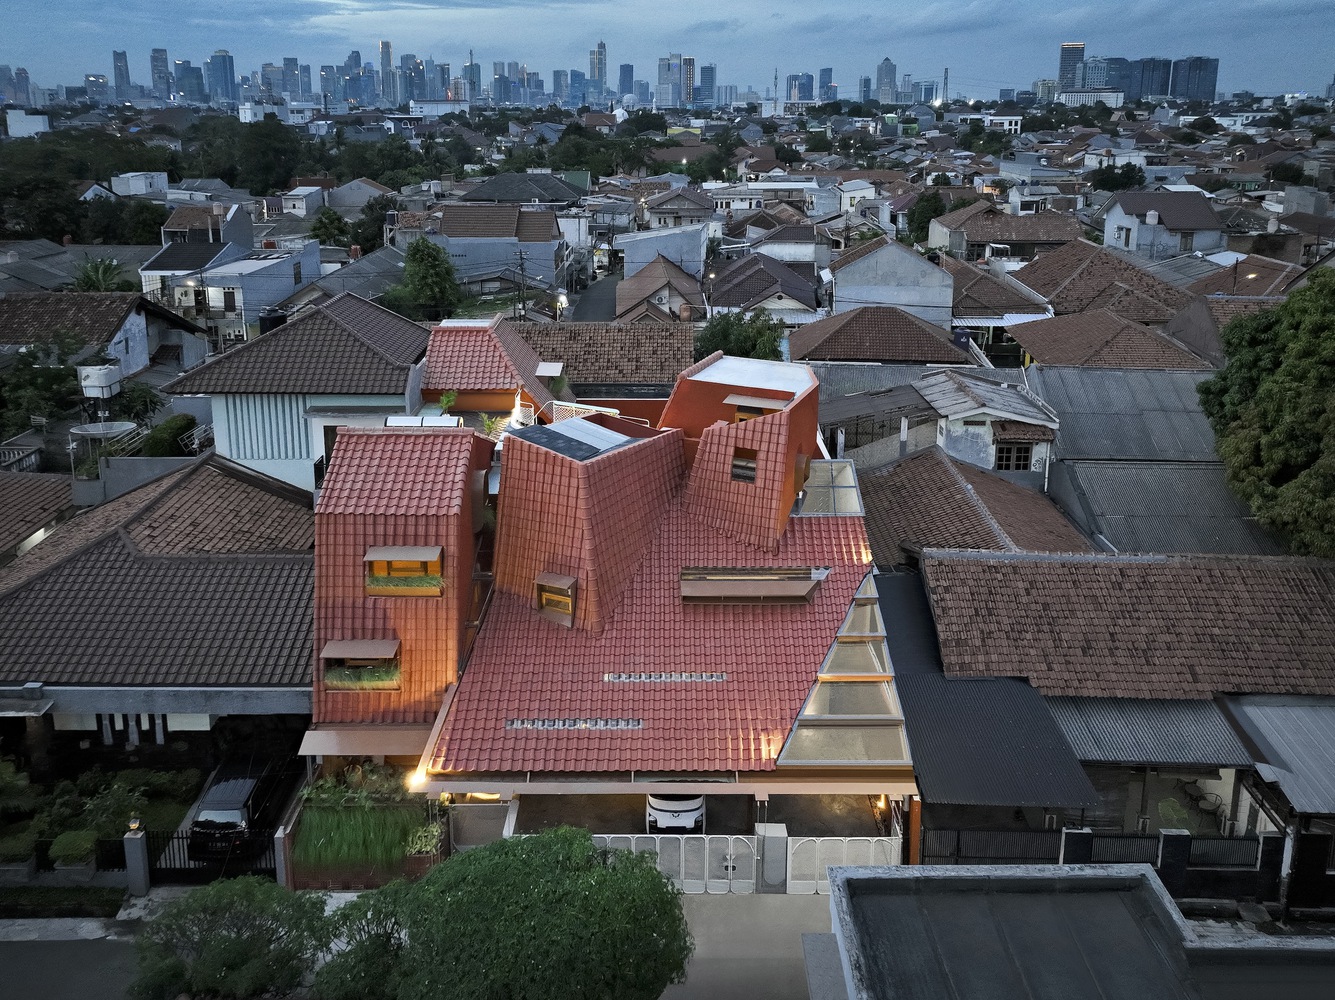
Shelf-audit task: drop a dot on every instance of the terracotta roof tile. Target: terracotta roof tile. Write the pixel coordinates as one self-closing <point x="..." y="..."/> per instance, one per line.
<point x="1253" y="276"/>
<point x="613" y="353"/>
<point x="1138" y="626"/>
<point x="658" y="274"/>
<point x="1080" y="276"/>
<point x="397" y="471"/>
<point x="92" y="317"/>
<point x="477" y="358"/>
<point x="1100" y="339"/>
<point x="977" y="293"/>
<point x="1179" y="211"/>
<point x="858" y="251"/>
<point x="875" y="333"/>
<point x="750" y="280"/>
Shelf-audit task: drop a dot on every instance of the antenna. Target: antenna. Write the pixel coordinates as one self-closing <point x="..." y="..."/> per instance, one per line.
<point x="945" y="87"/>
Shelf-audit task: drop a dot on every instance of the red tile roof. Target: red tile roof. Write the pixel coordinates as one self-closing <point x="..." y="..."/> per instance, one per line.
<point x="480" y="357"/>
<point x="875" y="333"/>
<point x="399" y="470"/>
<point x="1100" y="339"/>
<point x="525" y="667"/>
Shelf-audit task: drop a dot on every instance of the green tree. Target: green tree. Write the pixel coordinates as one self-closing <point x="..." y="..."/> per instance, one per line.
<point x="1287" y="173"/>
<point x="550" y="917"/>
<point x="330" y="228"/>
<point x="239" y="937"/>
<point x="1272" y="407"/>
<point x="1111" y="178"/>
<point x="924" y="210"/>
<point x="268" y="154"/>
<point x="428" y="289"/>
<point x="102" y="274"/>
<point x="40" y="382"/>
<point x="368" y="231"/>
<point x="818" y="142"/>
<point x="755" y="336"/>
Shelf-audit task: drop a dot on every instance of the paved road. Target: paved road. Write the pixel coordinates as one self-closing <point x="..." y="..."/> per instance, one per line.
<point x="67" y="970"/>
<point x="597" y="303"/>
<point x="749" y="946"/>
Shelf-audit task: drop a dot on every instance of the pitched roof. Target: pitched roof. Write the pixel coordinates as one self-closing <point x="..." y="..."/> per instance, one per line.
<point x="1148" y="731"/>
<point x="184" y="257"/>
<point x="345" y="345"/>
<point x="1180" y="211"/>
<point x="1100" y="339"/>
<point x="1295" y="742"/>
<point x="1080" y="276"/>
<point x="1137" y="626"/>
<point x="875" y="333"/>
<point x="480" y="356"/>
<point x="460" y="221"/>
<point x="1251" y="276"/>
<point x="991" y="225"/>
<point x="611" y="354"/>
<point x="843" y="378"/>
<point x="858" y="251"/>
<point x="977" y="293"/>
<point x="929" y="500"/>
<point x="200" y="578"/>
<point x="749" y="280"/>
<point x="523" y="188"/>
<point x="28" y="501"/>
<point x="659" y="273"/>
<point x="957" y="218"/>
<point x="696" y="198"/>
<point x="397" y="471"/>
<point x="93" y="317"/>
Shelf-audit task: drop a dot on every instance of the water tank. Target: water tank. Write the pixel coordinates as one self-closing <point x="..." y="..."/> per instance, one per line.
<point x="1151" y="218"/>
<point x="271" y="319"/>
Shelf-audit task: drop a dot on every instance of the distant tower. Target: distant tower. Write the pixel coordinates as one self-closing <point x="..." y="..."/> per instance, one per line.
<point x="120" y="68"/>
<point x="388" y="90"/>
<point x="945" y="86"/>
<point x="1072" y="55"/>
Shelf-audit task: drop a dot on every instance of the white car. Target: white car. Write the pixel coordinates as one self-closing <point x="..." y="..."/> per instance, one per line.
<point x="673" y="813"/>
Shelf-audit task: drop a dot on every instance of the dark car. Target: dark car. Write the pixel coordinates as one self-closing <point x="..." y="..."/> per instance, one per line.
<point x="239" y="809"/>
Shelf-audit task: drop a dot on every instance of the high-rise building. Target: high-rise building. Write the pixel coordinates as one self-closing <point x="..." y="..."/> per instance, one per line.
<point x="726" y="95"/>
<point x="22" y="88"/>
<point x="1330" y="91"/>
<point x="579" y="88"/>
<point x="799" y="87"/>
<point x="560" y="86"/>
<point x="669" y="92"/>
<point x="828" y="91"/>
<point x="304" y="81"/>
<point x="160" y="74"/>
<point x="864" y="88"/>
<point x="924" y="92"/>
<point x="598" y="69"/>
<point x="472" y="77"/>
<point x="1045" y="91"/>
<point x="291" y="76"/>
<point x="190" y="82"/>
<point x="705" y="94"/>
<point x="330" y="83"/>
<point x="271" y="79"/>
<point x="644" y="93"/>
<point x="626" y="79"/>
<point x="885" y="81"/>
<point x="388" y="91"/>
<point x="120" y="72"/>
<point x="1150" y="77"/>
<point x="1195" y="78"/>
<point x="1007" y="94"/>
<point x="97" y="88"/>
<point x="220" y="77"/>
<point x="687" y="79"/>
<point x="1072" y="55"/>
<point x="1092" y="74"/>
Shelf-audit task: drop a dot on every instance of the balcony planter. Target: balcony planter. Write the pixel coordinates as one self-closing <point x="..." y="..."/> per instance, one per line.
<point x="423" y="850"/>
<point x="403" y="586"/>
<point x="384" y="678"/>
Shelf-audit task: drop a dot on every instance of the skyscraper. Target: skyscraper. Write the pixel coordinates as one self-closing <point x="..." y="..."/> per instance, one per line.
<point x="687" y="80"/>
<point x="190" y="82"/>
<point x="885" y="81"/>
<point x="330" y="83"/>
<point x="120" y="72"/>
<point x="864" y="88"/>
<point x="291" y="76"/>
<point x="579" y="88"/>
<point x="598" y="69"/>
<point x="626" y="80"/>
<point x="304" y="81"/>
<point x="1150" y="77"/>
<point x="705" y="94"/>
<point x="669" y="91"/>
<point x="220" y="77"/>
<point x="160" y="73"/>
<point x="387" y="89"/>
<point x="828" y="91"/>
<point x="1195" y="78"/>
<point x="96" y="87"/>
<point x="1072" y="55"/>
<point x="799" y="87"/>
<point x="560" y="85"/>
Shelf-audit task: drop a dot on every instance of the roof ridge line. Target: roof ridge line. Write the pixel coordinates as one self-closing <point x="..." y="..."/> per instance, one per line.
<point x="344" y="325"/>
<point x="979" y="506"/>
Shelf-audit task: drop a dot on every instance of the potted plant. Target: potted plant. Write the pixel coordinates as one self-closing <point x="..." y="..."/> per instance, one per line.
<point x="18" y="857"/>
<point x="72" y="852"/>
<point x="422" y="850"/>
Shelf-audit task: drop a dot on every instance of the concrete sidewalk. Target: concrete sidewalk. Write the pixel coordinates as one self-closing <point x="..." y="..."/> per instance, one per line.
<point x="749" y="946"/>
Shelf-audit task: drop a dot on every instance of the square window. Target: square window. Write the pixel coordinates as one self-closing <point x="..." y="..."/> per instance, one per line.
<point x="1014" y="457"/>
<point x="744" y="465"/>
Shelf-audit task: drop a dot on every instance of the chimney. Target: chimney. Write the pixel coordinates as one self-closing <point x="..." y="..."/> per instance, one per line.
<point x="68" y="240"/>
<point x="354" y="252"/>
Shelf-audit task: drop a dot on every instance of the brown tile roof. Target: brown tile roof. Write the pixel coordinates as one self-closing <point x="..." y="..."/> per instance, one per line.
<point x="696" y="198"/>
<point x="858" y="251"/>
<point x="192" y="217"/>
<point x="612" y="353"/>
<point x="1100" y="339"/>
<point x="345" y="345"/>
<point x="29" y="501"/>
<point x="653" y="277"/>
<point x="1138" y="626"/>
<point x="977" y="293"/>
<point x="92" y="317"/>
<point x="397" y="471"/>
<point x="481" y="357"/>
<point x="1000" y="227"/>
<point x="957" y="218"/>
<point x="1081" y="275"/>
<point x="929" y="500"/>
<point x="875" y="333"/>
<point x="1179" y="211"/>
<point x="1252" y="276"/>
<point x="460" y="221"/>
<point x="750" y="280"/>
<point x="1226" y="308"/>
<point x="147" y="590"/>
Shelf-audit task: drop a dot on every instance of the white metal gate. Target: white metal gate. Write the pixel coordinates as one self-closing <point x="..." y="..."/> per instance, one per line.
<point x="696" y="863"/>
<point x="809" y="858"/>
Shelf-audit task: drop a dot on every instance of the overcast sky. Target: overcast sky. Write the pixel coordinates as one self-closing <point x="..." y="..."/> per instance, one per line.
<point x="1267" y="46"/>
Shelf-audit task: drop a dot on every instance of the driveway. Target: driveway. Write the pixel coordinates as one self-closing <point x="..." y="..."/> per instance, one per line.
<point x="67" y="970"/>
<point x="597" y="303"/>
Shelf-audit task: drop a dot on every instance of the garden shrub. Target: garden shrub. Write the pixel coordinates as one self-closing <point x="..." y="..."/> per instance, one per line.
<point x="73" y="847"/>
<point x="163" y="441"/>
<point x="17" y="846"/>
<point x="367" y="968"/>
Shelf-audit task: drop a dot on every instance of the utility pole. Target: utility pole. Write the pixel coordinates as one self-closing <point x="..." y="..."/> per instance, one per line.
<point x="522" y="304"/>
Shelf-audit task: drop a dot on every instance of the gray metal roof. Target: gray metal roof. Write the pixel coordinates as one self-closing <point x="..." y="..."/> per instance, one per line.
<point x="1159" y="507"/>
<point x="1148" y="731"/>
<point x="840" y="378"/>
<point x="1126" y="413"/>
<point x="976" y="741"/>
<point x="1294" y="738"/>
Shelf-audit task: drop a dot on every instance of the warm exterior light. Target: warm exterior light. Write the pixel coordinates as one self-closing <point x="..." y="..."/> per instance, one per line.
<point x="134" y="823"/>
<point x="485" y="796"/>
<point x="417" y="780"/>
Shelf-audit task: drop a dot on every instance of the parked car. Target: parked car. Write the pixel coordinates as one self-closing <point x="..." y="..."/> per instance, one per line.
<point x="674" y="813"/>
<point x="239" y="807"/>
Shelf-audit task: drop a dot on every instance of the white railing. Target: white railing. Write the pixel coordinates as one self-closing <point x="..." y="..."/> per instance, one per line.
<point x="696" y="863"/>
<point x="810" y="858"/>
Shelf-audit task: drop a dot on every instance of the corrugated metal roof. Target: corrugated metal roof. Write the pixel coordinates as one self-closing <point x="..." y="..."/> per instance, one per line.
<point x="1160" y="507"/>
<point x="840" y="378"/>
<point x="988" y="743"/>
<point x="1148" y="731"/>
<point x="1295" y="741"/>
<point x="1126" y="413"/>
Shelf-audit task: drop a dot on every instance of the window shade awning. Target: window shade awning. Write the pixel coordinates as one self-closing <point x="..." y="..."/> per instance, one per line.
<point x="403" y="553"/>
<point x="360" y="649"/>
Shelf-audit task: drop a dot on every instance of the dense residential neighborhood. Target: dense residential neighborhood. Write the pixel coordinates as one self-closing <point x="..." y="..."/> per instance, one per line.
<point x="910" y="510"/>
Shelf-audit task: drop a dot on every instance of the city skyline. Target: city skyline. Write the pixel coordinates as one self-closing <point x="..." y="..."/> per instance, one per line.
<point x="748" y="42"/>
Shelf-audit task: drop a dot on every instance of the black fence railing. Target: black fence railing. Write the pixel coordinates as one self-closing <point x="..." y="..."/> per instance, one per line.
<point x="997" y="847"/>
<point x="172" y="861"/>
<point x="1125" y="849"/>
<point x="110" y="855"/>
<point x="1224" y="852"/>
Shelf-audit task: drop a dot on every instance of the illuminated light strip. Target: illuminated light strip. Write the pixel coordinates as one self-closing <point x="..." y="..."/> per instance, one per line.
<point x="574" y="724"/>
<point x="668" y="678"/>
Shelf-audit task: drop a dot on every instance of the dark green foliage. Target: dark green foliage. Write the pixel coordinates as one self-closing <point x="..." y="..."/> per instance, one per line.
<point x="29" y="901"/>
<point x="1288" y="173"/>
<point x="18" y="845"/>
<point x="755" y="336"/>
<point x="1273" y="411"/>
<point x="372" y="835"/>
<point x="368" y="232"/>
<point x="110" y="810"/>
<point x="924" y="210"/>
<point x="544" y="917"/>
<point x="1123" y="178"/>
<point x="73" y="846"/>
<point x="164" y="440"/>
<point x="102" y="274"/>
<point x="979" y="140"/>
<point x="136" y="401"/>
<point x="428" y="289"/>
<point x="330" y="229"/>
<point x="370" y="966"/>
<point x="268" y="155"/>
<point x="39" y="382"/>
<point x="122" y="220"/>
<point x="234" y="938"/>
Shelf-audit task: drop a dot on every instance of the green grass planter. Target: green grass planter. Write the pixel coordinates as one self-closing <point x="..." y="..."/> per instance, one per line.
<point x="74" y="847"/>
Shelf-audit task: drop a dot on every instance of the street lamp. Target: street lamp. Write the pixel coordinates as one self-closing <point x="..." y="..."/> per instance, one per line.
<point x="562" y="302"/>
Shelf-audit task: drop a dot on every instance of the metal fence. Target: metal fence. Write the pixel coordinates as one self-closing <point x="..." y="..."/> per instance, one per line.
<point x="1122" y="849"/>
<point x="1225" y="852"/>
<point x="695" y="863"/>
<point x="170" y="861"/>
<point x="995" y="847"/>
<point x="810" y="858"/>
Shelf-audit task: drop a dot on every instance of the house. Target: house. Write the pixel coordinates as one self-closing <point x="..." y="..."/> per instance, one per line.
<point x="599" y="661"/>
<point x="31" y="504"/>
<point x="210" y="223"/>
<point x="230" y="297"/>
<point x="304" y="201"/>
<point x="982" y="230"/>
<point x="1162" y="223"/>
<point x="1098" y="338"/>
<point x="40" y="265"/>
<point x="1135" y="463"/>
<point x="880" y="271"/>
<point x="681" y="206"/>
<point x="171" y="277"/>
<point x="489" y="367"/>
<point x="805" y="246"/>
<point x="686" y="246"/>
<point x="356" y="193"/>
<point x="278" y="401"/>
<point x="543" y="189"/>
<point x="660" y="292"/>
<point x="758" y="281"/>
<point x="88" y="190"/>
<point x="985" y="306"/>
<point x="143" y="182"/>
<point x="129" y="328"/>
<point x="492" y="246"/>
<point x="367" y="276"/>
<point x="185" y="611"/>
<point x="876" y="333"/>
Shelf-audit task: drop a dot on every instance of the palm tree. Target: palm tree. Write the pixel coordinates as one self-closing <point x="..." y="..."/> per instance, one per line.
<point x="101" y="274"/>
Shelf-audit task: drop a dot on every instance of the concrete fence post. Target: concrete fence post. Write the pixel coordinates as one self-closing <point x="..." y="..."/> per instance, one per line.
<point x="1174" y="856"/>
<point x="1077" y="846"/>
<point x="281" y="873"/>
<point x="136" y="862"/>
